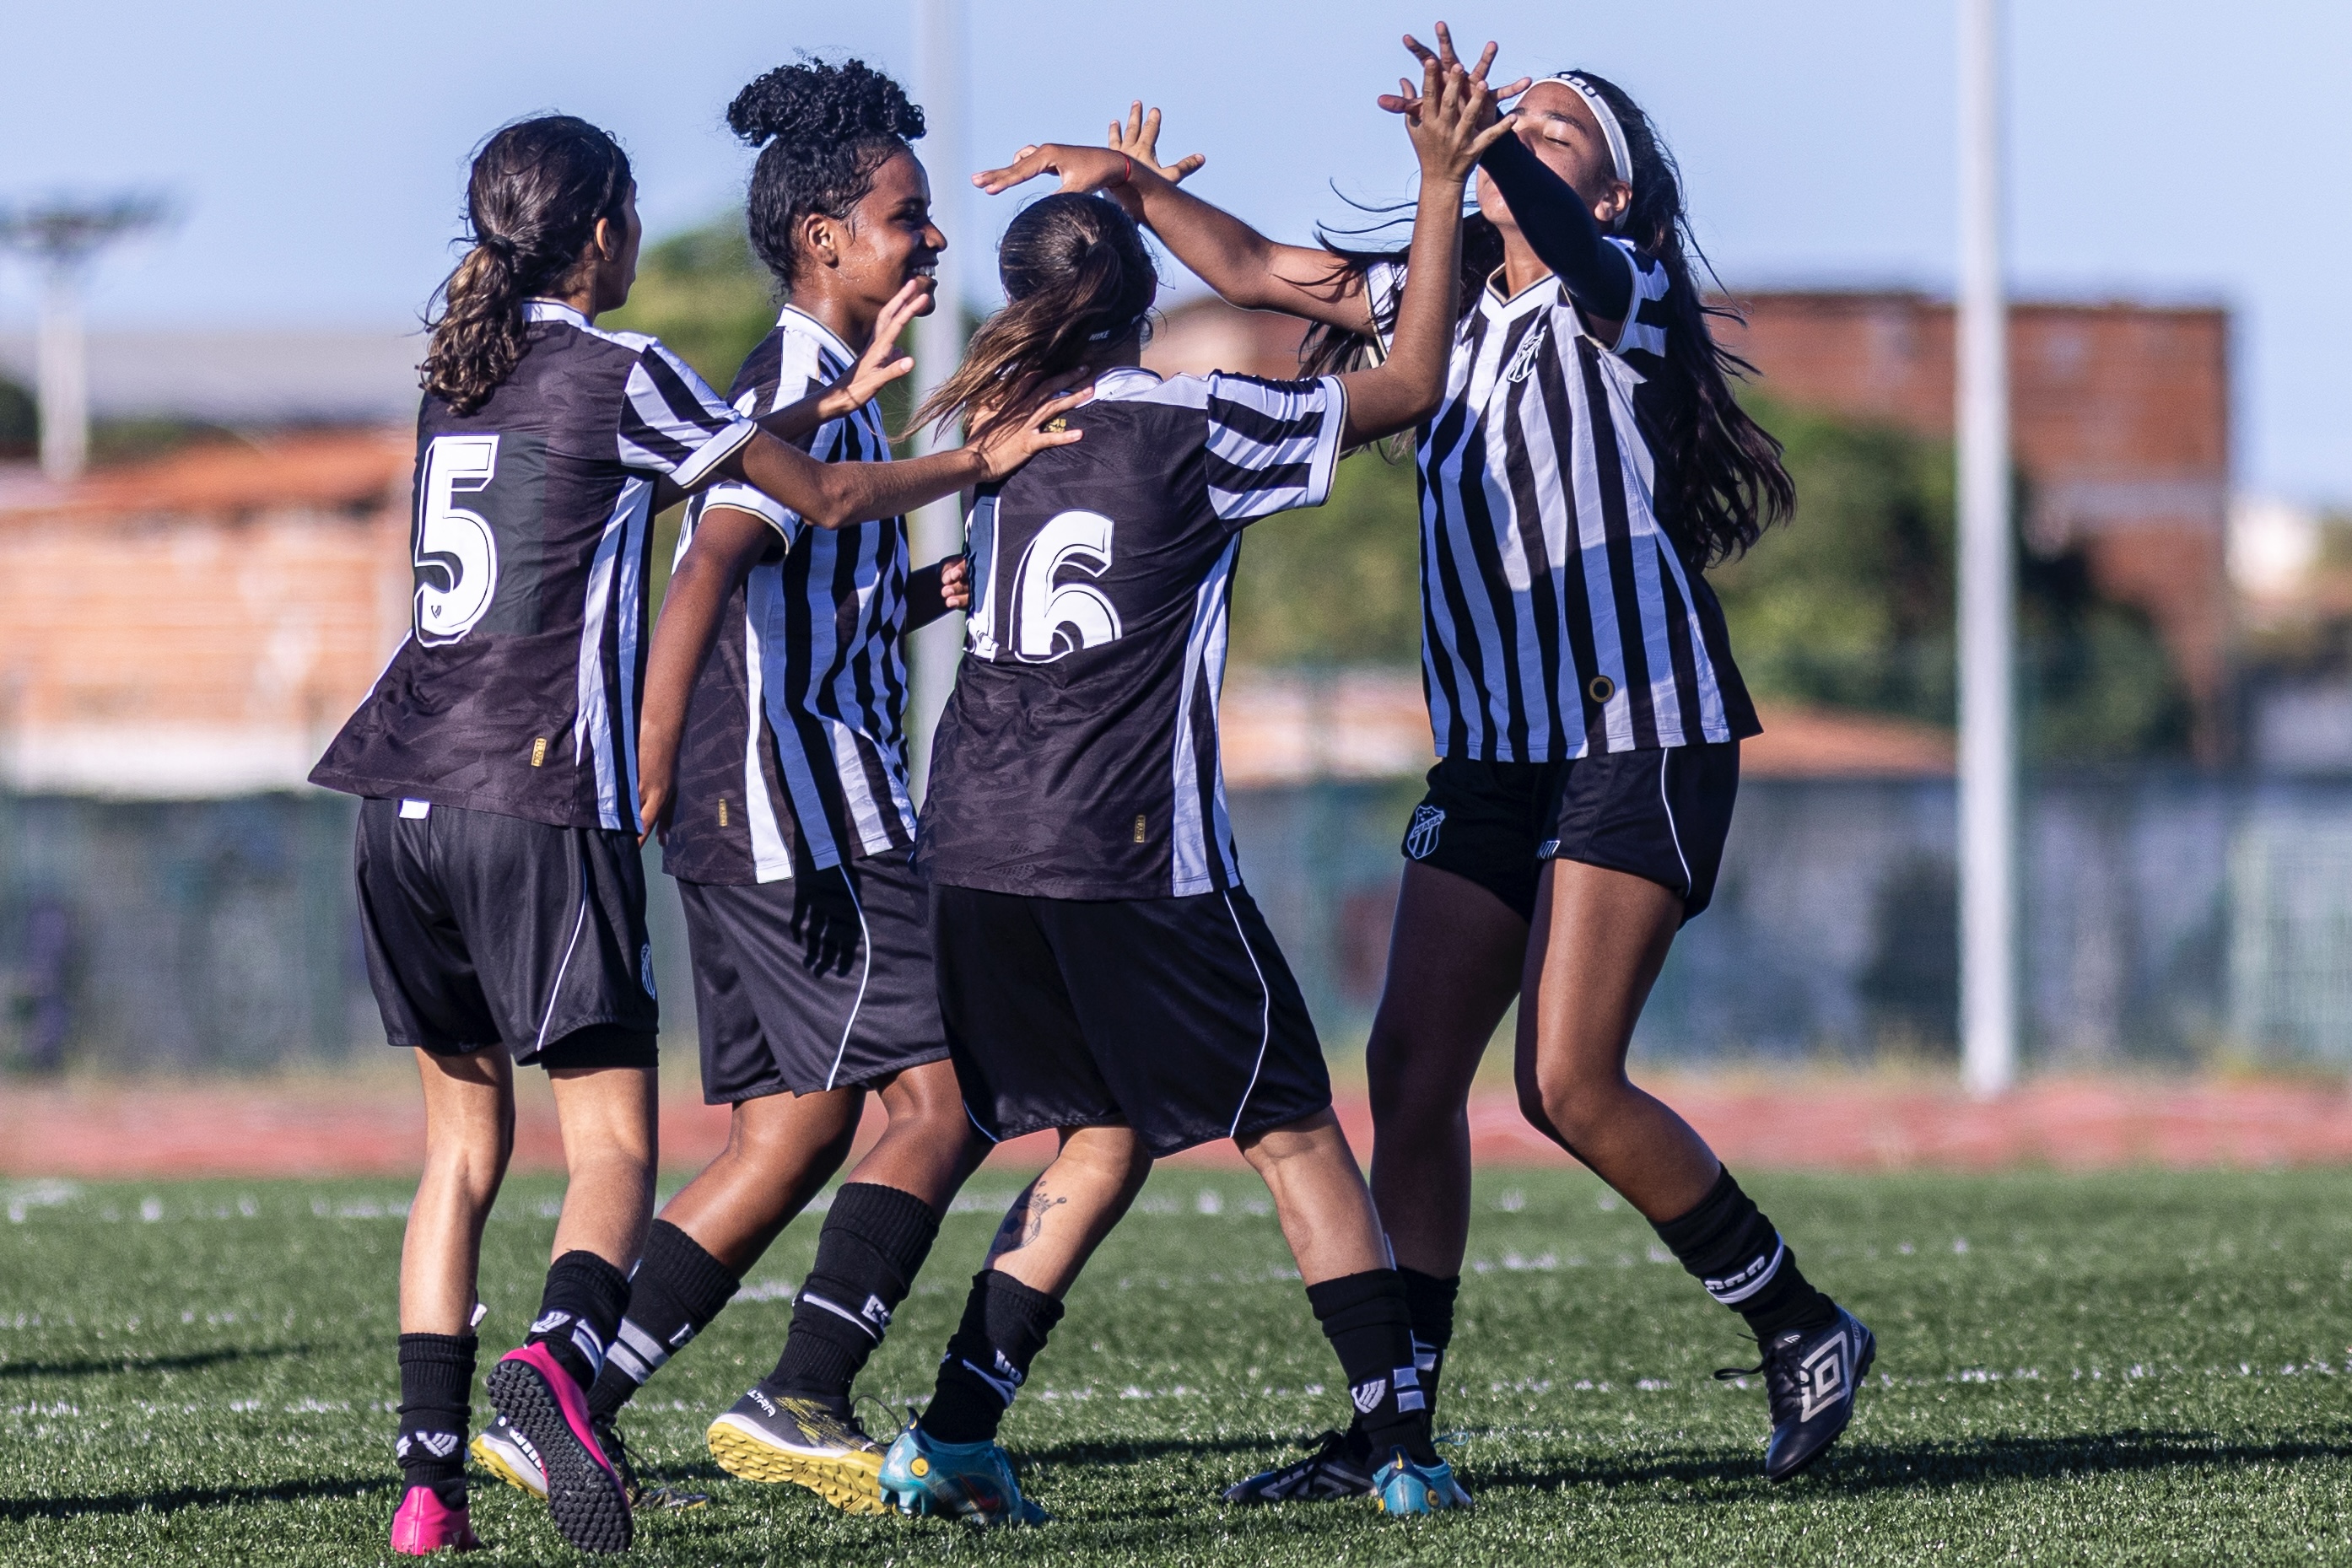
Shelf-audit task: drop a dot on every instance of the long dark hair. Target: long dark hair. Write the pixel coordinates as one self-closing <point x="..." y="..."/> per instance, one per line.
<point x="1720" y="482"/>
<point x="538" y="189"/>
<point x="1076" y="275"/>
<point x="823" y="131"/>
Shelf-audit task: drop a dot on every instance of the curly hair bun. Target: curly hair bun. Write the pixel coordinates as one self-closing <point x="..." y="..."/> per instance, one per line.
<point x="815" y="103"/>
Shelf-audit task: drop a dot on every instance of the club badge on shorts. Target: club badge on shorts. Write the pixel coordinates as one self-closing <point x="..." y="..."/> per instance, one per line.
<point x="1421" y="838"/>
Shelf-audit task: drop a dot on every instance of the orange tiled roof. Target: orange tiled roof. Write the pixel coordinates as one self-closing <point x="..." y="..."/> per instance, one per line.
<point x="331" y="468"/>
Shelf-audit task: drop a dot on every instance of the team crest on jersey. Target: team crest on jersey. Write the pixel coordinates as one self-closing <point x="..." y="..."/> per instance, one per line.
<point x="1421" y="838"/>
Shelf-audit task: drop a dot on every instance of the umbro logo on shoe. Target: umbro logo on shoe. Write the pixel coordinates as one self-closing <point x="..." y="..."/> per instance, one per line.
<point x="1368" y="1395"/>
<point x="1823" y="1376"/>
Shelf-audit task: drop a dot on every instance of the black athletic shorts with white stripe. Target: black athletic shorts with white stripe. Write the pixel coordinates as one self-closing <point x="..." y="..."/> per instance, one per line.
<point x="484" y="930"/>
<point x="1176" y="1017"/>
<point x="821" y="981"/>
<point x="1661" y="814"/>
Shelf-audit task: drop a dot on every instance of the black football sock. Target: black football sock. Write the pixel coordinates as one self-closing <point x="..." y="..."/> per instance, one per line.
<point x="873" y="1244"/>
<point x="675" y="1291"/>
<point x="1734" y="1252"/>
<point x="436" y="1386"/>
<point x="1430" y="1300"/>
<point x="579" y="1313"/>
<point x="1004" y="1327"/>
<point x="1365" y="1317"/>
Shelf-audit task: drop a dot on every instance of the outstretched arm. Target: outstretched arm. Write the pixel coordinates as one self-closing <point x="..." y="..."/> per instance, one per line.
<point x="882" y="363"/>
<point x="1455" y="124"/>
<point x="1242" y="264"/>
<point x="834" y="495"/>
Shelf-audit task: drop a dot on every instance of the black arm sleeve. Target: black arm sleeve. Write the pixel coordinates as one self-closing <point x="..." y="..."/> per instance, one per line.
<point x="1559" y="227"/>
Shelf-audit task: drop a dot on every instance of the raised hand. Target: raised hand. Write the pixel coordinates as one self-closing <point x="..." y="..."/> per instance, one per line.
<point x="1457" y="120"/>
<point x="1138" y="139"/>
<point x="1081" y="167"/>
<point x="1011" y="443"/>
<point x="1406" y="99"/>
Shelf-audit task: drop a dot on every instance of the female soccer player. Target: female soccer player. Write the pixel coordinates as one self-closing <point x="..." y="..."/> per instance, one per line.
<point x="776" y="772"/>
<point x="1102" y="970"/>
<point x="1587" y="462"/>
<point x="501" y="895"/>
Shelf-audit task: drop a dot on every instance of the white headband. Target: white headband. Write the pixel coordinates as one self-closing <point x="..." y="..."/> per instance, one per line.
<point x="1611" y="132"/>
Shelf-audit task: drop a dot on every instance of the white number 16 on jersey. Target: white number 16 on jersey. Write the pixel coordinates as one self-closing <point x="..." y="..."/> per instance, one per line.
<point x="452" y="542"/>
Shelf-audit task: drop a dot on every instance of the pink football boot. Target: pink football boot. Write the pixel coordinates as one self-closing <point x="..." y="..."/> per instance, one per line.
<point x="584" y="1493"/>
<point x="424" y="1524"/>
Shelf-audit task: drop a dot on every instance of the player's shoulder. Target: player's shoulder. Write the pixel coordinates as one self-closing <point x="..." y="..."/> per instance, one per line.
<point x="1208" y="394"/>
<point x="1650" y="274"/>
<point x="798" y="354"/>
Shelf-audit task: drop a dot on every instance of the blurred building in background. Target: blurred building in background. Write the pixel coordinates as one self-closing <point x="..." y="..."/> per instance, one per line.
<point x="182" y="631"/>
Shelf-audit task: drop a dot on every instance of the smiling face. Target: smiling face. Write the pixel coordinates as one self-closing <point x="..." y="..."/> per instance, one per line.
<point x="1559" y="126"/>
<point x="888" y="240"/>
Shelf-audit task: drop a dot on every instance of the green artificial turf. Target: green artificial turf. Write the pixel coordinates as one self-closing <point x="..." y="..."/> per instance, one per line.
<point x="2136" y="1368"/>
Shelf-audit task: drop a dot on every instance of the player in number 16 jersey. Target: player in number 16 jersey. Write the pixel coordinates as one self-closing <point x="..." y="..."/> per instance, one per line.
<point x="1102" y="971"/>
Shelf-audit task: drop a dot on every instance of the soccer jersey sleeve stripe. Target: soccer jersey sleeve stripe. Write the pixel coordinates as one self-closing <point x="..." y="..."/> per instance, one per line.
<point x="1272" y="446"/>
<point x="672" y="423"/>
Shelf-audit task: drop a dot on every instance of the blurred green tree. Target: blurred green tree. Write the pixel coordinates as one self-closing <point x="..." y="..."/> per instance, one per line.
<point x="1339" y="584"/>
<point x="704" y="294"/>
<point x="20" y="421"/>
<point x="1851" y="605"/>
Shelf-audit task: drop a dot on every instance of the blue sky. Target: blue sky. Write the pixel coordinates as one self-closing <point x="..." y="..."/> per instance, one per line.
<point x="2160" y="149"/>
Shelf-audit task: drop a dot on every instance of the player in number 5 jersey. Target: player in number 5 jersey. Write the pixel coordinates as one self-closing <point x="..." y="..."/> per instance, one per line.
<point x="1103" y="971"/>
<point x="1589" y="462"/>
<point x="501" y="895"/>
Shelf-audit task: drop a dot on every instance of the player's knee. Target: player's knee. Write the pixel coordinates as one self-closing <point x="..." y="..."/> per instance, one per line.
<point x="1572" y="1104"/>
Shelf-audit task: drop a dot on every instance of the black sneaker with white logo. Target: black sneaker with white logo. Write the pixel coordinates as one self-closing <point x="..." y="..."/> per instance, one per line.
<point x="1810" y="1376"/>
<point x="1340" y="1467"/>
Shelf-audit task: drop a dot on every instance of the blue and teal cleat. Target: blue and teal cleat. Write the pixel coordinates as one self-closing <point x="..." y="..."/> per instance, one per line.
<point x="961" y="1481"/>
<point x="1402" y="1487"/>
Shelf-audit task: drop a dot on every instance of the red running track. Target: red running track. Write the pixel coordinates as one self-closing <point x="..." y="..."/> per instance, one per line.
<point x="1798" y="1123"/>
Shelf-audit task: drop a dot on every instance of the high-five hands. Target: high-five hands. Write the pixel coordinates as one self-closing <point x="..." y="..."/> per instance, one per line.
<point x="1406" y="100"/>
<point x="1453" y="119"/>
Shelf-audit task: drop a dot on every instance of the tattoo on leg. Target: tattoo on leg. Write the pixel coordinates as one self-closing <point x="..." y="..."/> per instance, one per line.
<point x="1026" y="1220"/>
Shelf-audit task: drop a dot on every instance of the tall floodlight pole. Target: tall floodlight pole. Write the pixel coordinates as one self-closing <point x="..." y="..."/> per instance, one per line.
<point x="1987" y="582"/>
<point x="63" y="238"/>
<point x="938" y="529"/>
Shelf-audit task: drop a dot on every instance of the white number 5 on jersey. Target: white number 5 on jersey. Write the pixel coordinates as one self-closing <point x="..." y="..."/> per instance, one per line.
<point x="455" y="542"/>
<point x="1053" y="619"/>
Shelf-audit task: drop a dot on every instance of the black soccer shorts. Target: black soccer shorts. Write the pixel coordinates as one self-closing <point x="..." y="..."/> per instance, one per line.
<point x="1176" y="1017"/>
<point x="487" y="930"/>
<point x="1661" y="814"/>
<point x="823" y="981"/>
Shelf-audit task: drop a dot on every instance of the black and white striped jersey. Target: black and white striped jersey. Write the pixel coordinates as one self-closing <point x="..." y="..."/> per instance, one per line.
<point x="517" y="689"/>
<point x="1077" y="757"/>
<point x="794" y="742"/>
<point x="1558" y="616"/>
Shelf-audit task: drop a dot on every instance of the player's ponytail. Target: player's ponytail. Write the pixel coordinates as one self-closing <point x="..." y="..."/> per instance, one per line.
<point x="823" y="131"/>
<point x="1720" y="482"/>
<point x="538" y="189"/>
<point x="1077" y="277"/>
